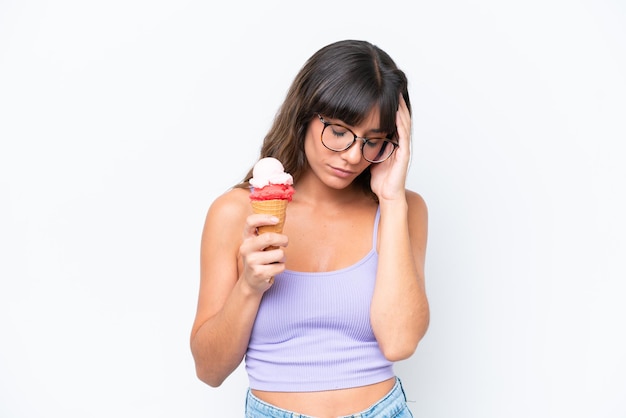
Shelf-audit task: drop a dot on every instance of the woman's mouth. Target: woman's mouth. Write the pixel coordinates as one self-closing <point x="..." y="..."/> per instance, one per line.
<point x="339" y="172"/>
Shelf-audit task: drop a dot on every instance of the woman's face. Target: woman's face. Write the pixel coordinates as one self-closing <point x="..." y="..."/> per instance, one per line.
<point x="338" y="169"/>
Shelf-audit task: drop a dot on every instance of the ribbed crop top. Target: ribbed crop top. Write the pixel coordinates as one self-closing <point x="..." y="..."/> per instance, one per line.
<point x="313" y="332"/>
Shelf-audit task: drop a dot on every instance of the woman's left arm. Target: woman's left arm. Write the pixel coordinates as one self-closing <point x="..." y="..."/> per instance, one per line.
<point x="399" y="313"/>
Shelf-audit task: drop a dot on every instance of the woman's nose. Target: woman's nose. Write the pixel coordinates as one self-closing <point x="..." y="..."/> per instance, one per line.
<point x="353" y="154"/>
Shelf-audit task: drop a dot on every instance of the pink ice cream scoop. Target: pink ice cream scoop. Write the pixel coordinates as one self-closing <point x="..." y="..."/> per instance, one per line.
<point x="272" y="190"/>
<point x="270" y="182"/>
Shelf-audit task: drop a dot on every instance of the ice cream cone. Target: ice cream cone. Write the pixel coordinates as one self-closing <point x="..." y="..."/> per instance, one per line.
<point x="275" y="207"/>
<point x="270" y="192"/>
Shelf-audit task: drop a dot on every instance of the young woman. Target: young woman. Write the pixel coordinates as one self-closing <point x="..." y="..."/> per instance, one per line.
<point x="321" y="320"/>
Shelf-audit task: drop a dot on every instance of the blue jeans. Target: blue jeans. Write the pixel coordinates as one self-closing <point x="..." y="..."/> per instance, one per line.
<point x="393" y="405"/>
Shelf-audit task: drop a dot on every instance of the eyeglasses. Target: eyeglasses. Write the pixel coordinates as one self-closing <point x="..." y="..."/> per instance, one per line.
<point x="339" y="138"/>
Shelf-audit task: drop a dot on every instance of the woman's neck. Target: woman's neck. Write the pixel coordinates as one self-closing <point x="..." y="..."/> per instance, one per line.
<point x="311" y="191"/>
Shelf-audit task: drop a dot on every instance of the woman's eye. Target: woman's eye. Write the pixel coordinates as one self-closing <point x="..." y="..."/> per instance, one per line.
<point x="374" y="143"/>
<point x="338" y="131"/>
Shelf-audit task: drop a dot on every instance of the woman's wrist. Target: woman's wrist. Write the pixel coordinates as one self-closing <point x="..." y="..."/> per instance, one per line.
<point x="248" y="291"/>
<point x="393" y="203"/>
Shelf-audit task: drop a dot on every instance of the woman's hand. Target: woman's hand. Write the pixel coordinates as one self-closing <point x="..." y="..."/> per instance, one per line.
<point x="389" y="177"/>
<point x="260" y="265"/>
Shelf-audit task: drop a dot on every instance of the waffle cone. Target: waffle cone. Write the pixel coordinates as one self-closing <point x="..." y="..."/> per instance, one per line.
<point x="275" y="207"/>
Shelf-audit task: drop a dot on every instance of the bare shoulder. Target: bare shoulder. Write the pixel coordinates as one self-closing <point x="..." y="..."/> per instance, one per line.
<point x="225" y="219"/>
<point x="233" y="203"/>
<point x="417" y="204"/>
<point x="418" y="226"/>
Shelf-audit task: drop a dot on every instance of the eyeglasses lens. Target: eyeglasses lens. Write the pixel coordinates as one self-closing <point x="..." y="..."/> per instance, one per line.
<point x="338" y="138"/>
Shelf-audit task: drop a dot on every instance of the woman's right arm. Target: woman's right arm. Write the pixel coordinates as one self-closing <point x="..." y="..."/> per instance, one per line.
<point x="234" y="274"/>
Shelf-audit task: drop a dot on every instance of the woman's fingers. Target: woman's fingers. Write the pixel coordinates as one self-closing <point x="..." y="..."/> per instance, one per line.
<point x="265" y="264"/>
<point x="403" y="121"/>
<point x="253" y="222"/>
<point x="262" y="254"/>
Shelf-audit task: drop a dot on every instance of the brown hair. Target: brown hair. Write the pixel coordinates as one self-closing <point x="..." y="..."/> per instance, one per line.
<point x="343" y="80"/>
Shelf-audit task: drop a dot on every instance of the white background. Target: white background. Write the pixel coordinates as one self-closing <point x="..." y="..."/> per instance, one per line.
<point x="121" y="121"/>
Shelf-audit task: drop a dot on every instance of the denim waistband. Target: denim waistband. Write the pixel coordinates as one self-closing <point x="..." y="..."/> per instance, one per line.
<point x="389" y="406"/>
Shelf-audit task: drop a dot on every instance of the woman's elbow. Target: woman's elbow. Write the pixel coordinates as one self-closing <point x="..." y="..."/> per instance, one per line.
<point x="404" y="346"/>
<point x="212" y="379"/>
<point x="207" y="372"/>
<point x="399" y="352"/>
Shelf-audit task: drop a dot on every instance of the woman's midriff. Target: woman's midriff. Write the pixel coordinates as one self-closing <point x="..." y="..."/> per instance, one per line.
<point x="331" y="403"/>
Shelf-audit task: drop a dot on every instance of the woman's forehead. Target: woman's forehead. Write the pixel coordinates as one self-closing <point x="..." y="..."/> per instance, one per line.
<point x="370" y="121"/>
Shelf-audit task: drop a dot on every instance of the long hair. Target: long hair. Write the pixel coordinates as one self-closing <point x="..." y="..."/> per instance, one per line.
<point x="344" y="80"/>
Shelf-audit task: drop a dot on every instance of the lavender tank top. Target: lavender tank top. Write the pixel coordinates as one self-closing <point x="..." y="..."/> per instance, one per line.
<point x="313" y="331"/>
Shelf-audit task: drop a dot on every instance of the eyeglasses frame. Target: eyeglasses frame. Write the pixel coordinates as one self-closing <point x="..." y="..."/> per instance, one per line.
<point x="363" y="140"/>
